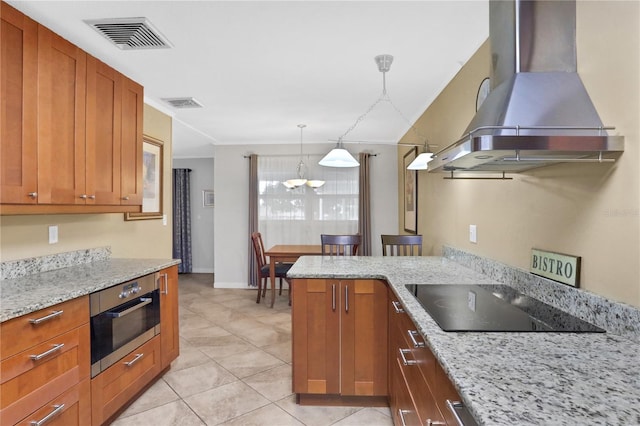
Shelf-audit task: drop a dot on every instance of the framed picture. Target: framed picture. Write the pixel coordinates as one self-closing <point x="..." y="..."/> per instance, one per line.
<point x="152" y="160"/>
<point x="207" y="198"/>
<point x="410" y="191"/>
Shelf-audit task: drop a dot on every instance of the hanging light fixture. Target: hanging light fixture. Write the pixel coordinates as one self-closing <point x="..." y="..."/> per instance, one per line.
<point x="340" y="157"/>
<point x="301" y="171"/>
<point x="421" y="161"/>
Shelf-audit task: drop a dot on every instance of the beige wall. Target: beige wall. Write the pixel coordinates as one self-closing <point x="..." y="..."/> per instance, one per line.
<point x="27" y="236"/>
<point x="592" y="211"/>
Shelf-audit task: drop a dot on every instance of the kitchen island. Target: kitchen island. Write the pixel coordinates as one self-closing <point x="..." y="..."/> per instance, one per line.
<point x="507" y="378"/>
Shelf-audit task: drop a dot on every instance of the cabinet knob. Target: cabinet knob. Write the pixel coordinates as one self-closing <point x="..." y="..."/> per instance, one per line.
<point x="83" y="196"/>
<point x="126" y="198"/>
<point x="33" y="194"/>
<point x="92" y="197"/>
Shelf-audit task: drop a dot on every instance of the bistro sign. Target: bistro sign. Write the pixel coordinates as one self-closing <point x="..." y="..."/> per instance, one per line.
<point x="556" y="266"/>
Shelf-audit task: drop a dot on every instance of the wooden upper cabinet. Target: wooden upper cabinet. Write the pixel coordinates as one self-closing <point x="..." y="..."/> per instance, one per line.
<point x="131" y="143"/>
<point x="62" y="70"/>
<point x="18" y="119"/>
<point x="103" y="126"/>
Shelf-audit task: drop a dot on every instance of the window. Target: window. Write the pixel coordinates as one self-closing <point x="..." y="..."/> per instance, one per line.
<point x="300" y="215"/>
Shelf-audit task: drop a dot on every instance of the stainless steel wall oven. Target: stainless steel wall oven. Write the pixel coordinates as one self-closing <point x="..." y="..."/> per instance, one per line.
<point x="122" y="318"/>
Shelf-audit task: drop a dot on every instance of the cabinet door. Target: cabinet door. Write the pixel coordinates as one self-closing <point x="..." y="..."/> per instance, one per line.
<point x="169" y="333"/>
<point x="18" y="118"/>
<point x="103" y="127"/>
<point x="364" y="337"/>
<point x="61" y="117"/>
<point x="316" y="336"/>
<point x="131" y="150"/>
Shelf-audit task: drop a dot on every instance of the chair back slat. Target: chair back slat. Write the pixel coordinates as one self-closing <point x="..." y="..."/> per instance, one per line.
<point x="340" y="245"/>
<point x="401" y="245"/>
<point x="258" y="249"/>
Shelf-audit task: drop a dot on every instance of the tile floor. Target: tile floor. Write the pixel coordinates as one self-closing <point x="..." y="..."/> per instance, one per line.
<point x="234" y="367"/>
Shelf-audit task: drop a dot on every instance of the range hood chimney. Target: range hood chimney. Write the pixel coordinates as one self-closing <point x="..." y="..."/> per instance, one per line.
<point x="538" y="111"/>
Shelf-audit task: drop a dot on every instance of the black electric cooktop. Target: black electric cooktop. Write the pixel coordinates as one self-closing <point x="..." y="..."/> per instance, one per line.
<point x="461" y="307"/>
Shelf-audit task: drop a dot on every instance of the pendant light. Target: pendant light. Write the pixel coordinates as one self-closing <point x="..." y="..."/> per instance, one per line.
<point x="301" y="171"/>
<point x="421" y="161"/>
<point x="340" y="157"/>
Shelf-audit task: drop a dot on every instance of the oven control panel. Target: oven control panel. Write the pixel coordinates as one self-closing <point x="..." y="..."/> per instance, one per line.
<point x="111" y="297"/>
<point x="130" y="289"/>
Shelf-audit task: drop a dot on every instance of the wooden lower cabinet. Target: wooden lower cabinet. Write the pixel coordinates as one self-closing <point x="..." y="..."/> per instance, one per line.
<point x="419" y="387"/>
<point x="73" y="407"/>
<point x="45" y="360"/>
<point x="117" y="385"/>
<point x="339" y="337"/>
<point x="169" y="333"/>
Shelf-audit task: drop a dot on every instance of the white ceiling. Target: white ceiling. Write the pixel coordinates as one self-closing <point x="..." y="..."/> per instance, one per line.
<point x="262" y="67"/>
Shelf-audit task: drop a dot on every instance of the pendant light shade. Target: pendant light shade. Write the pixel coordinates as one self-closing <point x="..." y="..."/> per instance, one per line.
<point x="339" y="157"/>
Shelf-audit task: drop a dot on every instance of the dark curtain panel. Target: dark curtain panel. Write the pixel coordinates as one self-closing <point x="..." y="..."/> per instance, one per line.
<point x="182" y="218"/>
<point x="364" y="207"/>
<point x="253" y="216"/>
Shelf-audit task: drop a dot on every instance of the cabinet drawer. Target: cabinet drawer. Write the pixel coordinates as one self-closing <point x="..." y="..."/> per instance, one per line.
<point x="28" y="383"/>
<point x="72" y="408"/>
<point x="114" y="387"/>
<point x="29" y="330"/>
<point x="403" y="410"/>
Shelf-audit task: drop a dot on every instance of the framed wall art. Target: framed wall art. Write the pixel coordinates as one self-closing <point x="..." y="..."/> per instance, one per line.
<point x="152" y="173"/>
<point x="410" y="191"/>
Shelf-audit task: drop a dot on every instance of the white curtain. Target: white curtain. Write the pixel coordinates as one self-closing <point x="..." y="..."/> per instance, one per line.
<point x="300" y="215"/>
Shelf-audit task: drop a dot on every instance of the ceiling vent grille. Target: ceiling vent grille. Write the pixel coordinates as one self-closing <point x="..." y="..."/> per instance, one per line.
<point x="183" y="102"/>
<point x="130" y="33"/>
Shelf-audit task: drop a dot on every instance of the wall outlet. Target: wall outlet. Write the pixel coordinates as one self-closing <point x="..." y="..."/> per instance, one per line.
<point x="471" y="301"/>
<point x="473" y="233"/>
<point x="53" y="234"/>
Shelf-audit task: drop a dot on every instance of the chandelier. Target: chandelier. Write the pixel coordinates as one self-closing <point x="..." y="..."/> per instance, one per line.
<point x="301" y="171"/>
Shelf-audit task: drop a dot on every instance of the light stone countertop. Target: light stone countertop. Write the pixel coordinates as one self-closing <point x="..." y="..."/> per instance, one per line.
<point x="21" y="296"/>
<point x="508" y="378"/>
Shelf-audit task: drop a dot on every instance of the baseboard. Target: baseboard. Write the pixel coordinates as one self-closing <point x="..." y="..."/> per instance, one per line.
<point x="202" y="271"/>
<point x="218" y="284"/>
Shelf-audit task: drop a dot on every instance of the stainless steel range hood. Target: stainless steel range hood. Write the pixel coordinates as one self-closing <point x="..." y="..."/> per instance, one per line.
<point x="538" y="111"/>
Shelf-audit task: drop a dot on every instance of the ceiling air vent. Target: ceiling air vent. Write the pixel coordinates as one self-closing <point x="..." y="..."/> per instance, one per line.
<point x="130" y="33"/>
<point x="183" y="102"/>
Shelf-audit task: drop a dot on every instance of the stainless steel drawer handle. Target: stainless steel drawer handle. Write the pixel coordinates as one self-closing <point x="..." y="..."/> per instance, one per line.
<point x="432" y="423"/>
<point x="57" y="409"/>
<point x="452" y="405"/>
<point x="51" y="351"/>
<point x="333" y="297"/>
<point x="404" y="359"/>
<point x="401" y="415"/>
<point x="52" y="315"/>
<point x="137" y="358"/>
<point x="145" y="301"/>
<point x="412" y="336"/>
<point x="165" y="278"/>
<point x="397" y="307"/>
<point x="346" y="298"/>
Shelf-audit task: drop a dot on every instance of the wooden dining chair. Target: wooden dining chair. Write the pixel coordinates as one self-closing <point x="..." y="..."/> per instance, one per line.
<point x="262" y="268"/>
<point x="401" y="245"/>
<point x="340" y="245"/>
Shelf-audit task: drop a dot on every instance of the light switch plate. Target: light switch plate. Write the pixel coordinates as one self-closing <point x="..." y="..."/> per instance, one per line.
<point x="473" y="233"/>
<point x="53" y="234"/>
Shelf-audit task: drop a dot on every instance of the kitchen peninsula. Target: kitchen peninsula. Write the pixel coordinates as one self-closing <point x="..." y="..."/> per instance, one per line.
<point x="506" y="378"/>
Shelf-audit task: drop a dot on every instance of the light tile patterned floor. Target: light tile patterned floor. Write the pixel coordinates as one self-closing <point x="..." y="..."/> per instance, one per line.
<point x="234" y="368"/>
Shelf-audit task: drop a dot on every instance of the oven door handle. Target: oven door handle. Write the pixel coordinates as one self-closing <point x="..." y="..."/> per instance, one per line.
<point x="145" y="301"/>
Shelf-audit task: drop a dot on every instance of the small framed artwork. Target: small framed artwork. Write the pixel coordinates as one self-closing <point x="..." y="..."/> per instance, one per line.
<point x="207" y="198"/>
<point x="410" y="190"/>
<point x="152" y="158"/>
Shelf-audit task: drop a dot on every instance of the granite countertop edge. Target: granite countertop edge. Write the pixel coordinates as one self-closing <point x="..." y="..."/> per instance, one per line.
<point x="21" y="296"/>
<point x="508" y="378"/>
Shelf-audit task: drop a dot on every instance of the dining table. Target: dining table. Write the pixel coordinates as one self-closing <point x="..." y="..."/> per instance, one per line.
<point x="287" y="253"/>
